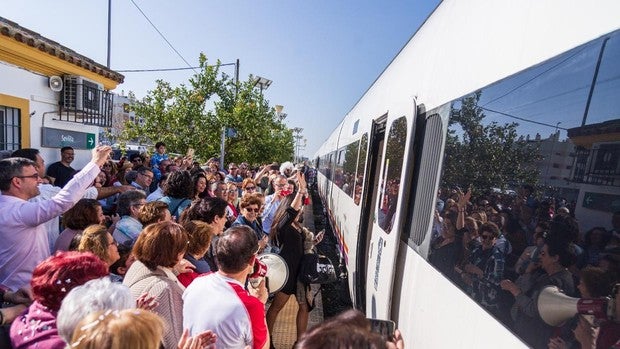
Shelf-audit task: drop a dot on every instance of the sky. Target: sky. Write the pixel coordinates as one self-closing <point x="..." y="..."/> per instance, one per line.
<point x="321" y="55"/>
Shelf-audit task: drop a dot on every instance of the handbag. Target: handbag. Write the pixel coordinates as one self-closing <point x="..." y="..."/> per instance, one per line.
<point x="316" y="269"/>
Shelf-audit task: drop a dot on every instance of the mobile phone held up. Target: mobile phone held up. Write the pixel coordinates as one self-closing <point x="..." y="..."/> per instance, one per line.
<point x="383" y="327"/>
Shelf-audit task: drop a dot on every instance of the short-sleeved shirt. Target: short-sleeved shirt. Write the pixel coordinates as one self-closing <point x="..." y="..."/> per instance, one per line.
<point x="62" y="174"/>
<point x="236" y="317"/>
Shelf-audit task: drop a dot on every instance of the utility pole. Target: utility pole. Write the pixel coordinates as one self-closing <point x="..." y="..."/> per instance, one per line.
<point x="109" y="30"/>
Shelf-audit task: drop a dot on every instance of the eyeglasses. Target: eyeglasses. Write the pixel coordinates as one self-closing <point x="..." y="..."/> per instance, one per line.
<point x="486" y="237"/>
<point x="253" y="209"/>
<point x="33" y="176"/>
<point x="250" y="188"/>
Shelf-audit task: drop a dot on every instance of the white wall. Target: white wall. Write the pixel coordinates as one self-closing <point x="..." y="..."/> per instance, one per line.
<point x="24" y="84"/>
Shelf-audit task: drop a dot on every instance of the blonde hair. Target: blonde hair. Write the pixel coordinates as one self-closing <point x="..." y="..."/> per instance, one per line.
<point x="119" y="329"/>
<point x="152" y="212"/>
<point x="95" y="239"/>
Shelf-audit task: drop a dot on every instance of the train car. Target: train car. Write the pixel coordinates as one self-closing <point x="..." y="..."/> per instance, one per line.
<point x="529" y="78"/>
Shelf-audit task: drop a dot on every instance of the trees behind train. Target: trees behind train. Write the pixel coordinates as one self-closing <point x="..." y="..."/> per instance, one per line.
<point x="486" y="155"/>
<point x="193" y="115"/>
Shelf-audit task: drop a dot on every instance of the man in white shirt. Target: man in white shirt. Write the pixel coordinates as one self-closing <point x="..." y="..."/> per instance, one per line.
<point x="25" y="242"/>
<point x="47" y="191"/>
<point x="235" y="315"/>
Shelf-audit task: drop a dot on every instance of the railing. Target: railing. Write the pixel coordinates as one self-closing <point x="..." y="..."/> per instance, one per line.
<point x="600" y="166"/>
<point x="86" y="104"/>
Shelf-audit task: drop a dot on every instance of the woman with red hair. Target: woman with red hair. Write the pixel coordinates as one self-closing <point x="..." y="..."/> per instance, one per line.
<point x="52" y="279"/>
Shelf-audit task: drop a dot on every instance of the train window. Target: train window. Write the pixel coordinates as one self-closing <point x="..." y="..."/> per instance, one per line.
<point x="544" y="138"/>
<point x="392" y="169"/>
<point x="361" y="169"/>
<point x="339" y="175"/>
<point x="348" y="168"/>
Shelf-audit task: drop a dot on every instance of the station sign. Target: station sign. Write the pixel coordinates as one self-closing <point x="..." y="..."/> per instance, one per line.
<point x="601" y="202"/>
<point x="55" y="138"/>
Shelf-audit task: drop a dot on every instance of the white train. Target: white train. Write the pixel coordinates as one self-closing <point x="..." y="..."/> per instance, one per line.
<point x="551" y="66"/>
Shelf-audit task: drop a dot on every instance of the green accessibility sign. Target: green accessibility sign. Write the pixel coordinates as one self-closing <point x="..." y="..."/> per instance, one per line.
<point x="56" y="138"/>
<point x="601" y="202"/>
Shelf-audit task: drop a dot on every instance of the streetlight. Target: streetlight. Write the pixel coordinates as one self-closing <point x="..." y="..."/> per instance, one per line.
<point x="298" y="137"/>
<point x="263" y="83"/>
<point x="279" y="112"/>
<point x="553" y="139"/>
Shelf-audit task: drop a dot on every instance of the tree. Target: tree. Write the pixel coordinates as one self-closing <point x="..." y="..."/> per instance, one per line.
<point x="261" y="137"/>
<point x="485" y="156"/>
<point x="194" y="115"/>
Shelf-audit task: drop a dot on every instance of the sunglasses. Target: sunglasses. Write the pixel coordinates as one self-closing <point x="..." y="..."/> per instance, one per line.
<point x="250" y="188"/>
<point x="253" y="209"/>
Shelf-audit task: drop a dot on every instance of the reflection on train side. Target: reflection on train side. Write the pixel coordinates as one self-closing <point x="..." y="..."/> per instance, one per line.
<point x="540" y="144"/>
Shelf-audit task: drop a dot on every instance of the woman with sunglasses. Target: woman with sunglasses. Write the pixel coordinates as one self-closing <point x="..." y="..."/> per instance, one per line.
<point x="248" y="187"/>
<point x="485" y="268"/>
<point x="250" y="210"/>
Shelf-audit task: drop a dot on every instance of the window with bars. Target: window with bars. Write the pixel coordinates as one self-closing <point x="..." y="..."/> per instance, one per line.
<point x="10" y="128"/>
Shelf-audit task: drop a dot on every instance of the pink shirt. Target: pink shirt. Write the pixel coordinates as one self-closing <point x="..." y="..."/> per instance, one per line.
<point x="24" y="240"/>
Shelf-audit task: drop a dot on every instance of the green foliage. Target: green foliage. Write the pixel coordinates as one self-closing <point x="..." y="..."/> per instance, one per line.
<point x="194" y="115"/>
<point x="485" y="156"/>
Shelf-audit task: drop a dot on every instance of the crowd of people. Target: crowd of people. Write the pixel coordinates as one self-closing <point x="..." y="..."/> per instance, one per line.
<point x="146" y="252"/>
<point x="503" y="250"/>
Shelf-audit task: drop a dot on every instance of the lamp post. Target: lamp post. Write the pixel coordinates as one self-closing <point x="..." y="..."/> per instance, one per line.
<point x="298" y="137"/>
<point x="553" y="139"/>
<point x="263" y="83"/>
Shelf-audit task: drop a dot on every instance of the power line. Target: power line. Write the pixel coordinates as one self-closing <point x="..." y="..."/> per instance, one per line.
<point x="522" y="119"/>
<point x="535" y="77"/>
<point x="163" y="37"/>
<point x="164" y="69"/>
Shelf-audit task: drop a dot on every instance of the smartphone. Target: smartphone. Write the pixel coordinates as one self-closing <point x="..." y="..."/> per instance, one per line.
<point x="383" y="327"/>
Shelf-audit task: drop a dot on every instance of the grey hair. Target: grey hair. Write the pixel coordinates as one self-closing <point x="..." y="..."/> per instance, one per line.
<point x="95" y="295"/>
<point x="126" y="199"/>
<point x="286" y="166"/>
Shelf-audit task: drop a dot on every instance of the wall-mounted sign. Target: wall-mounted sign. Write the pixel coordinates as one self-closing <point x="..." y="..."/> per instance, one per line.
<point x="55" y="138"/>
<point x="601" y="202"/>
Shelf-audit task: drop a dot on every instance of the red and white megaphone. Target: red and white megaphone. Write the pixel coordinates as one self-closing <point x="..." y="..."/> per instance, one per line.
<point x="273" y="269"/>
<point x="555" y="307"/>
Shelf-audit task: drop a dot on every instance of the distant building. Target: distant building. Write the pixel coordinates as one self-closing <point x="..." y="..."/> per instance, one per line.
<point x="51" y="96"/>
<point x="597" y="171"/>
<point x="584" y="168"/>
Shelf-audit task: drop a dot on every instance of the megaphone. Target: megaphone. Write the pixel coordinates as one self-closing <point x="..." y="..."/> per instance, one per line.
<point x="273" y="269"/>
<point x="555" y="307"/>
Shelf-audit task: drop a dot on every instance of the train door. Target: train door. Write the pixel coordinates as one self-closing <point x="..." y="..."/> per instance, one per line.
<point x="387" y="215"/>
<point x="374" y="153"/>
